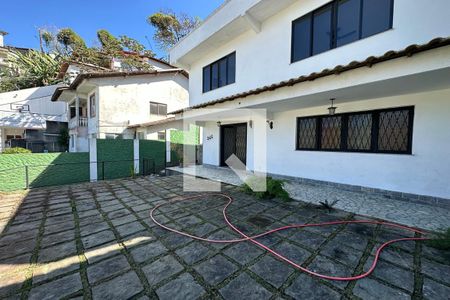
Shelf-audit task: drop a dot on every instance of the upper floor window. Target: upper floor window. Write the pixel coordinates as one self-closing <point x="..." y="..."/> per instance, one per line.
<point x="339" y="23"/>
<point x="92" y="106"/>
<point x="376" y="131"/>
<point x="158" y="109"/>
<point x="219" y="73"/>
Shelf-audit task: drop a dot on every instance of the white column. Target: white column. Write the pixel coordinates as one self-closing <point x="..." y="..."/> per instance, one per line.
<point x="136" y="155"/>
<point x="168" y="145"/>
<point x="93" y="159"/>
<point x="2" y="139"/>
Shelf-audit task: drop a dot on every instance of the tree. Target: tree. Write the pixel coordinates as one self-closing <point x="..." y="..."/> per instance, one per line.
<point x="110" y="44"/>
<point x="171" y="28"/>
<point x="32" y="69"/>
<point x="71" y="41"/>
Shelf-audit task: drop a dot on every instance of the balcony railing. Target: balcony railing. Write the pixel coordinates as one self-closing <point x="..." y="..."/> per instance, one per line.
<point x="78" y="122"/>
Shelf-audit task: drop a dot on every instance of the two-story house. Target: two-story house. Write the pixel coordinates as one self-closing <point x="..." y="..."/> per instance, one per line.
<point x="357" y="92"/>
<point x="106" y="103"/>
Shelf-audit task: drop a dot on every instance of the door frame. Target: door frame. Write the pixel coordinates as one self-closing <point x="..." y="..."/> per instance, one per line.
<point x="221" y="160"/>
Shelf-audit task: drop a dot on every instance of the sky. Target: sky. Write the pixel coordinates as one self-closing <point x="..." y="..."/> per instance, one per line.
<point x="22" y="18"/>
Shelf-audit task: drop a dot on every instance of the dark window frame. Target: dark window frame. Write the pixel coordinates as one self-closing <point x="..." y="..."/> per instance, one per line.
<point x="334" y="16"/>
<point x="227" y="76"/>
<point x="344" y="131"/>
<point x="159" y="104"/>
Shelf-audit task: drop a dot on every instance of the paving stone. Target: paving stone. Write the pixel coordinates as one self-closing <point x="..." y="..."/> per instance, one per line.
<point x="306" y="287"/>
<point x="19" y="236"/>
<point x="346" y="255"/>
<point x="442" y="256"/>
<point x="107" y="268"/>
<point x="17" y="247"/>
<point x="326" y="266"/>
<point x="174" y="240"/>
<point x="46" y="271"/>
<point x="59" y="227"/>
<point x="436" y="270"/>
<point x="57" y="238"/>
<point x="243" y="252"/>
<point x="97" y="239"/>
<point x="293" y="252"/>
<point x="434" y="290"/>
<point x="396" y="256"/>
<point x="394" y="275"/>
<point x="181" y="288"/>
<point x="271" y="270"/>
<point x="118" y="213"/>
<point x="162" y="269"/>
<point x="129" y="228"/>
<point x="146" y="252"/>
<point x="109" y="208"/>
<point x="122" y="287"/>
<point x="11" y="283"/>
<point x="93" y="228"/>
<point x="371" y="289"/>
<point x="56" y="252"/>
<point x="100" y="252"/>
<point x="307" y="239"/>
<point x="193" y="252"/>
<point x="91" y="219"/>
<point x="123" y="220"/>
<point x="244" y="287"/>
<point x="203" y="229"/>
<point x="216" y="269"/>
<point x="57" y="289"/>
<point x="189" y="221"/>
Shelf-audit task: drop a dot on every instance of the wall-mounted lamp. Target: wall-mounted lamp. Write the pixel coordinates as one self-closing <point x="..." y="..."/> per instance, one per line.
<point x="270" y="123"/>
<point x="219" y="123"/>
<point x="332" y="108"/>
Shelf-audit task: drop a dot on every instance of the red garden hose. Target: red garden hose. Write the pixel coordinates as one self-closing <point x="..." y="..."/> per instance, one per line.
<point x="277" y="254"/>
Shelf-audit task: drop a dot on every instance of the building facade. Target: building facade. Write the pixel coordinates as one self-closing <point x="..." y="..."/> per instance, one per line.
<point x="387" y="74"/>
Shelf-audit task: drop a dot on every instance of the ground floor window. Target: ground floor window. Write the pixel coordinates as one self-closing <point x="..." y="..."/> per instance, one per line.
<point x="161" y="135"/>
<point x="376" y="131"/>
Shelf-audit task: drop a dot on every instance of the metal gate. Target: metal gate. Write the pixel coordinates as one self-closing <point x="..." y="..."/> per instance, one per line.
<point x="234" y="141"/>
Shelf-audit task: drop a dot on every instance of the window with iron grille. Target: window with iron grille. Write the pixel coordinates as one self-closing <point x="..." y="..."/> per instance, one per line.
<point x="158" y="109"/>
<point x="376" y="131"/>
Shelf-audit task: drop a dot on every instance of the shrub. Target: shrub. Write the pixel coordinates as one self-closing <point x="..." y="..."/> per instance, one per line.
<point x="16" y="150"/>
<point x="441" y="241"/>
<point x="274" y="188"/>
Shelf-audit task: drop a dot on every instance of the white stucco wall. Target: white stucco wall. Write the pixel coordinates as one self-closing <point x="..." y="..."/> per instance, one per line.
<point x="425" y="172"/>
<point x="264" y="58"/>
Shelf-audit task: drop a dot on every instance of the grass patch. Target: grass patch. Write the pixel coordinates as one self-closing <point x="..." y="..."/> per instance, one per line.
<point x="441" y="241"/>
<point x="274" y="188"/>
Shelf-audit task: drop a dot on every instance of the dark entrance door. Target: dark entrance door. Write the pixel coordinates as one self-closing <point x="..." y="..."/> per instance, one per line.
<point x="233" y="141"/>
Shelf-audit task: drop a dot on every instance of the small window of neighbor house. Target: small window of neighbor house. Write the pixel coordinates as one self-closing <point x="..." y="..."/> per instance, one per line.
<point x="92" y="106"/>
<point x="161" y="135"/>
<point x="158" y="109"/>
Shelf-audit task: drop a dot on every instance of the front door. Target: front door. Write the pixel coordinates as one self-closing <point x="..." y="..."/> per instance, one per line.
<point x="233" y="141"/>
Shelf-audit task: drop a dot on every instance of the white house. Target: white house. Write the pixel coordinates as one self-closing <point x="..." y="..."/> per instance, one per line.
<point x="385" y="62"/>
<point x="25" y="116"/>
<point x="108" y="104"/>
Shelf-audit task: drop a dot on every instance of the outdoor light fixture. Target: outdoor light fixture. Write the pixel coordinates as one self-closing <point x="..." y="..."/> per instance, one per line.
<point x="219" y="123"/>
<point x="332" y="108"/>
<point x="270" y="123"/>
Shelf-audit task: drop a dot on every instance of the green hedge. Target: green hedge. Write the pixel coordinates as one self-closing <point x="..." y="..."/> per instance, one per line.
<point x="115" y="158"/>
<point x="44" y="169"/>
<point x="191" y="137"/>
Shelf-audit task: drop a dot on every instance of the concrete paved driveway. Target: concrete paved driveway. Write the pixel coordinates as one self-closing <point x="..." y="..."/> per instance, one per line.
<point x="96" y="240"/>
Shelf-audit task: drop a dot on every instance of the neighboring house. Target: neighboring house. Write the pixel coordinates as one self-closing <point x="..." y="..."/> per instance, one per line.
<point x="7" y="51"/>
<point x="30" y="120"/>
<point x="386" y="62"/>
<point x="107" y="104"/>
